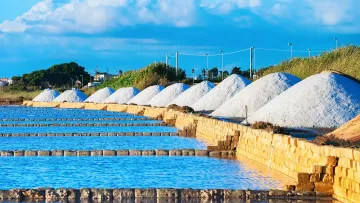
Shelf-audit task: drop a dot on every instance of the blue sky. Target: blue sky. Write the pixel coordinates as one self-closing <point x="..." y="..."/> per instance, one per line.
<point x="129" y="34"/>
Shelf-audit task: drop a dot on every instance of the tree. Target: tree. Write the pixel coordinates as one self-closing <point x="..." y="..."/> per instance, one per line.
<point x="236" y="70"/>
<point x="213" y="73"/>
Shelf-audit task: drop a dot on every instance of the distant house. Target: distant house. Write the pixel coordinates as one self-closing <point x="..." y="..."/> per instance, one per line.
<point x="101" y="77"/>
<point x="5" y="81"/>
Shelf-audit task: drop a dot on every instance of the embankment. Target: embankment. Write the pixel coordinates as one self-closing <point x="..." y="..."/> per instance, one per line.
<point x="320" y="169"/>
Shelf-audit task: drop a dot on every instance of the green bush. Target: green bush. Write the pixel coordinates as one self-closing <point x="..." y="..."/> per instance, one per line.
<point x="154" y="74"/>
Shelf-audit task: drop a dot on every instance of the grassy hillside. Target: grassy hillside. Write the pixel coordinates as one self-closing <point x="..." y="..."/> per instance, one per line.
<point x="345" y="60"/>
<point x="151" y="75"/>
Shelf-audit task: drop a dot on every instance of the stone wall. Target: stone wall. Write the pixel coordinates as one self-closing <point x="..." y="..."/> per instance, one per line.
<point x="323" y="169"/>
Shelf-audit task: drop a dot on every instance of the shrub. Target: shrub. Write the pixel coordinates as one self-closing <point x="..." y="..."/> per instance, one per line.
<point x="333" y="141"/>
<point x="269" y="127"/>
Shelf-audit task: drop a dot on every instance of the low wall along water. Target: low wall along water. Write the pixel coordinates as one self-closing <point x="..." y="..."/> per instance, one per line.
<point x="321" y="169"/>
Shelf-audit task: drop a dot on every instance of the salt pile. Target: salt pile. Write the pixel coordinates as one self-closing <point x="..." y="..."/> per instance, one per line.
<point x="46" y="96"/>
<point x="221" y="93"/>
<point x="122" y="95"/>
<point x="193" y="94"/>
<point x="256" y="95"/>
<point x="325" y="100"/>
<point x="100" y="95"/>
<point x="146" y="95"/>
<point x="73" y="95"/>
<point x="168" y="94"/>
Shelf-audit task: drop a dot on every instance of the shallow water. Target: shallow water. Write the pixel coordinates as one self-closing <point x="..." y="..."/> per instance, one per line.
<point x="99" y="142"/>
<point x="87" y="129"/>
<point x="131" y="172"/>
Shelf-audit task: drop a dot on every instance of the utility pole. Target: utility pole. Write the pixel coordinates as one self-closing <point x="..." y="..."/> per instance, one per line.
<point x="291" y="51"/>
<point x="222" y="64"/>
<point x="251" y="61"/>
<point x="167" y="60"/>
<point x="309" y="50"/>
<point x="177" y="63"/>
<point x="193" y="72"/>
<point x="82" y="81"/>
<point x="336" y="42"/>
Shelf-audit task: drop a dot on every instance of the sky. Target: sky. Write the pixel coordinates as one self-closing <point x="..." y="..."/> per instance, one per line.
<point x="123" y="35"/>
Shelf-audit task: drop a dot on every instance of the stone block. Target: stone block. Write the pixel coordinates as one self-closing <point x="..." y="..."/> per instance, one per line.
<point x="188" y="152"/>
<point x="123" y="194"/>
<point x="135" y="152"/>
<point x="51" y="195"/>
<point x="122" y="152"/>
<point x="57" y="153"/>
<point x="332" y="161"/>
<point x="70" y="153"/>
<point x="19" y="153"/>
<point x="168" y="193"/>
<point x="234" y="195"/>
<point x="85" y="194"/>
<point x="303" y="178"/>
<point x="212" y="194"/>
<point x="317" y="169"/>
<point x="96" y="153"/>
<point x="175" y="152"/>
<point x="315" y="177"/>
<point x="215" y="153"/>
<point x="327" y="178"/>
<point x="324" y="187"/>
<point x="34" y="194"/>
<point x="148" y="152"/>
<point x="145" y="193"/>
<point x="189" y="194"/>
<point x="277" y="193"/>
<point x="44" y="153"/>
<point x="6" y="153"/>
<point x="83" y="153"/>
<point x="30" y="153"/>
<point x="109" y="153"/>
<point x="305" y="187"/>
<point x="201" y="152"/>
<point x="102" y="194"/>
<point x="162" y="152"/>
<point x="10" y="195"/>
<point x="67" y="194"/>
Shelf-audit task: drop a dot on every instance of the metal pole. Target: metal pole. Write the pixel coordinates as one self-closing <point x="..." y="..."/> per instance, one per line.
<point x="177" y="63"/>
<point x="251" y="61"/>
<point x="222" y="65"/>
<point x="309" y="52"/>
<point x="254" y="60"/>
<point x="336" y="42"/>
<point x="167" y="59"/>
<point x="291" y="51"/>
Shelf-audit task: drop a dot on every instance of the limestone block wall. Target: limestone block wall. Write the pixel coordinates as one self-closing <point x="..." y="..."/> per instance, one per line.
<point x="45" y="104"/>
<point x="138" y="110"/>
<point x="92" y="106"/>
<point x="117" y="107"/>
<point x="71" y="105"/>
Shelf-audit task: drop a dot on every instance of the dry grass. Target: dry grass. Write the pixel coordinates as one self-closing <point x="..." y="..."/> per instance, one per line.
<point x="333" y="141"/>
<point x="16" y="96"/>
<point x="269" y="127"/>
<point x="344" y="60"/>
<point x="184" y="109"/>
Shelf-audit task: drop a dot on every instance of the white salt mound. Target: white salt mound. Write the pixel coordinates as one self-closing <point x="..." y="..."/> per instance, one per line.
<point x="100" y="95"/>
<point x="146" y="95"/>
<point x="73" y="95"/>
<point x="221" y="93"/>
<point x="325" y="100"/>
<point x="193" y="94"/>
<point x="46" y="96"/>
<point x="122" y="95"/>
<point x="168" y="94"/>
<point x="256" y="95"/>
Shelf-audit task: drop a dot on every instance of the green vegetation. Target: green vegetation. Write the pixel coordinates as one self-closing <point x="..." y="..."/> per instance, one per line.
<point x="154" y="74"/>
<point x="345" y="60"/>
<point x="56" y="76"/>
